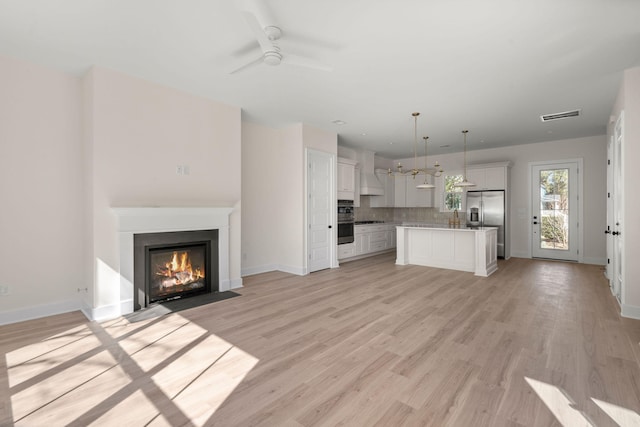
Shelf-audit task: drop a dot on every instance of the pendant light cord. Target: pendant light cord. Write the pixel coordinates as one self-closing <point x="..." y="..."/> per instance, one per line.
<point x="465" y="154"/>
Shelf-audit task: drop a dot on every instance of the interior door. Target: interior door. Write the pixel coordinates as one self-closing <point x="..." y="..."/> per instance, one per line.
<point x="555" y="211"/>
<point x="610" y="219"/>
<point x="320" y="210"/>
<point x="616" y="228"/>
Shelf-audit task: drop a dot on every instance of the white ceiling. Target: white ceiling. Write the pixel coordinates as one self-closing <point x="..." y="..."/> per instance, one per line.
<point x="491" y="66"/>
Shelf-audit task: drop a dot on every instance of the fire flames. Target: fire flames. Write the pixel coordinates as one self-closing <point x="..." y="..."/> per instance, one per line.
<point x="179" y="271"/>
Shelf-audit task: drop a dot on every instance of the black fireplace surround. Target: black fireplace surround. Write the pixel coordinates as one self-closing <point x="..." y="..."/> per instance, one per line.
<point x="156" y="253"/>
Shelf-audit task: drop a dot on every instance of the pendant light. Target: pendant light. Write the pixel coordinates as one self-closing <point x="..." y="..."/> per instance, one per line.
<point x="400" y="171"/>
<point x="426" y="185"/>
<point x="464" y="182"/>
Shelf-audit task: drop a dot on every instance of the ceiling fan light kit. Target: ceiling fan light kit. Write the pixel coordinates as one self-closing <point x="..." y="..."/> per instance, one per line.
<point x="272" y="58"/>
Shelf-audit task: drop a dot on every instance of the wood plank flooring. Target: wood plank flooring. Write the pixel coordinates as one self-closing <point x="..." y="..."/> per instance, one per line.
<point x="538" y="343"/>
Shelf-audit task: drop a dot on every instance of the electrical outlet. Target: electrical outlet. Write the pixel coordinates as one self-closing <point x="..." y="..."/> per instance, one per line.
<point x="185" y="170"/>
<point x="179" y="170"/>
<point x="4" y="290"/>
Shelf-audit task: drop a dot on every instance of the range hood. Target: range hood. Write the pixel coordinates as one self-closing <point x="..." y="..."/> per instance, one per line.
<point x="369" y="183"/>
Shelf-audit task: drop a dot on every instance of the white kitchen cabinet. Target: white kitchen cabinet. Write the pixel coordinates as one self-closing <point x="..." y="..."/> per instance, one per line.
<point x="461" y="249"/>
<point x="400" y="191"/>
<point x="346" y="179"/>
<point x="416" y="197"/>
<point x="488" y="177"/>
<point x="388" y="183"/>
<point x="370" y="239"/>
<point x="391" y="237"/>
<point x="346" y="250"/>
<point x="378" y="238"/>
<point x="407" y="195"/>
<point x="362" y="243"/>
<point x="356" y="195"/>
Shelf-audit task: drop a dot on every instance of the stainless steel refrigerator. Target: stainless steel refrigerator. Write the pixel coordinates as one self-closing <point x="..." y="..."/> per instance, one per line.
<point x="487" y="209"/>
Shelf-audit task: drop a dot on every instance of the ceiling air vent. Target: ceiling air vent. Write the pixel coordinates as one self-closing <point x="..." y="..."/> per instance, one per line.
<point x="558" y="116"/>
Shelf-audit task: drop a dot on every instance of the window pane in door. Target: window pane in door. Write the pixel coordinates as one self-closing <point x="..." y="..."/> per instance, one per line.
<point x="554" y="209"/>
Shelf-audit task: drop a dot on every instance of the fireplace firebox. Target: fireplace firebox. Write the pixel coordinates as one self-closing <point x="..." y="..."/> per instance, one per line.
<point x="174" y="265"/>
<point x="176" y="271"/>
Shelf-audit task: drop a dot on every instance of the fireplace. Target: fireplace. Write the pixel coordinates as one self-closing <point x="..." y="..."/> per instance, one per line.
<point x="172" y="265"/>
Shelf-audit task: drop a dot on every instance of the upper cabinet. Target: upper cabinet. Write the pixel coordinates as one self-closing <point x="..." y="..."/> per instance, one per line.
<point x="346" y="179"/>
<point x="356" y="199"/>
<point x="407" y="195"/>
<point x="417" y="197"/>
<point x="387" y="200"/>
<point x="492" y="176"/>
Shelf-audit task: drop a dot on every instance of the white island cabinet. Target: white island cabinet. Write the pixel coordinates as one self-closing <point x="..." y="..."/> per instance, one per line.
<point x="466" y="249"/>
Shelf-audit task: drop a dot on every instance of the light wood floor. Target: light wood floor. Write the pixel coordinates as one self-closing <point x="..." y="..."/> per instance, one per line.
<point x="369" y="344"/>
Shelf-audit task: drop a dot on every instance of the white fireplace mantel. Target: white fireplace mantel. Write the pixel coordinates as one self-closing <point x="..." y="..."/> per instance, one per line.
<point x="137" y="220"/>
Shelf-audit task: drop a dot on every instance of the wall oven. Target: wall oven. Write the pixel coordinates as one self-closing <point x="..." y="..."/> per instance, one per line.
<point x="346" y="221"/>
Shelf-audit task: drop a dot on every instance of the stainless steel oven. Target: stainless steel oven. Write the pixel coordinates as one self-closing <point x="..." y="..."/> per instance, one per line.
<point x="346" y="221"/>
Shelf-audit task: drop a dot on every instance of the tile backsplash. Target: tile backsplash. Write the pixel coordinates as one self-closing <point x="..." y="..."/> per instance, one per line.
<point x="426" y="215"/>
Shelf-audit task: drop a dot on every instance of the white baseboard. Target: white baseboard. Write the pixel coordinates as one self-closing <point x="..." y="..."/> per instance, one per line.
<point x="595" y="261"/>
<point x="104" y="312"/>
<point x="520" y="254"/>
<point x="126" y="307"/>
<point x="630" y="311"/>
<point x="259" y="269"/>
<point x="36" y="312"/>
<point x="298" y="271"/>
<point x="235" y="283"/>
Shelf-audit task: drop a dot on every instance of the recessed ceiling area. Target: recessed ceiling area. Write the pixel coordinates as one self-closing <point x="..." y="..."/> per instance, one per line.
<point x="358" y="67"/>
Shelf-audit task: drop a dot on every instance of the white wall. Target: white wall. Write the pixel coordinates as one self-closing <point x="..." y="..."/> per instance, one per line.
<point x="347" y="153"/>
<point x="261" y="192"/>
<point x="274" y="207"/>
<point x="41" y="220"/>
<point x="73" y="148"/>
<point x="140" y="132"/>
<point x="594" y="152"/>
<point x="629" y="101"/>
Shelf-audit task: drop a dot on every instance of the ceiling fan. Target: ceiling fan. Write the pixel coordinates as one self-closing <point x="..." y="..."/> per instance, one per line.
<point x="272" y="54"/>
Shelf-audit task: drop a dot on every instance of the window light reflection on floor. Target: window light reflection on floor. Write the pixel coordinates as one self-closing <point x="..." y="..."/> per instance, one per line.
<point x="133" y="373"/>
<point x="563" y="407"/>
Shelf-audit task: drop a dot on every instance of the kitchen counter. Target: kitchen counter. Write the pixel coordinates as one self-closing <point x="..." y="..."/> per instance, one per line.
<point x="445" y="226"/>
<point x="472" y="249"/>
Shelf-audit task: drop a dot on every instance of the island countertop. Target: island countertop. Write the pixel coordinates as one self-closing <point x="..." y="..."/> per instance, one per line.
<point x="445" y="226"/>
<point x="472" y="249"/>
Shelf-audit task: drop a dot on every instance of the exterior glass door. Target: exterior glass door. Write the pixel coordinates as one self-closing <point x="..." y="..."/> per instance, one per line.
<point x="555" y="211"/>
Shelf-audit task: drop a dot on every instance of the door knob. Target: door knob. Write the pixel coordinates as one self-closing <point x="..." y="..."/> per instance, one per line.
<point x="615" y="233"/>
<point x="535" y="222"/>
<point x="329" y="226"/>
<point x="607" y="232"/>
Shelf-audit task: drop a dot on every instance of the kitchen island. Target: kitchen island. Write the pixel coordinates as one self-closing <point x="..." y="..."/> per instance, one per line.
<point x="472" y="249"/>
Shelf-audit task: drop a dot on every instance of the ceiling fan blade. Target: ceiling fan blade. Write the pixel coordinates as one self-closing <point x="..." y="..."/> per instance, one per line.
<point x="303" y="61"/>
<point x="247" y="65"/>
<point x="261" y="11"/>
<point x="258" y="31"/>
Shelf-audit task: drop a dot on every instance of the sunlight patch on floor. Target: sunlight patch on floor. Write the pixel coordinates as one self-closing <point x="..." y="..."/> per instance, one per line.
<point x="622" y="416"/>
<point x="157" y="372"/>
<point x="559" y="404"/>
